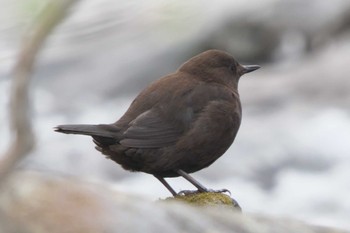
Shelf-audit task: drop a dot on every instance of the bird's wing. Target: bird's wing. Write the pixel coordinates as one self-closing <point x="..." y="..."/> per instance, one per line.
<point x="149" y="130"/>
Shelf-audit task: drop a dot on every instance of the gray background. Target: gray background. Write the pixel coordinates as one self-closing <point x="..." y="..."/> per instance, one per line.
<point x="291" y="155"/>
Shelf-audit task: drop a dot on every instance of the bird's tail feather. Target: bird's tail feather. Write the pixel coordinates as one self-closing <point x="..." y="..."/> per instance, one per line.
<point x="108" y="131"/>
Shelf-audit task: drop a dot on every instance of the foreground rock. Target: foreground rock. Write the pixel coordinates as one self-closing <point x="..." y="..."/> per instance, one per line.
<point x="208" y="199"/>
<point x="39" y="202"/>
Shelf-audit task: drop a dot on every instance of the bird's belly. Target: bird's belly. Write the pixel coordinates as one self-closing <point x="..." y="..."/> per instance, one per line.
<point x="165" y="161"/>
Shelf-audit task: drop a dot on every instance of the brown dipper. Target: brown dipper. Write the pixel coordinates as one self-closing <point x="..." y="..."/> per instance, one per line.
<point x="179" y="124"/>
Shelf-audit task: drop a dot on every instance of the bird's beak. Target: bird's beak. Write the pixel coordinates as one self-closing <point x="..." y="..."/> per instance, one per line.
<point x="249" y="68"/>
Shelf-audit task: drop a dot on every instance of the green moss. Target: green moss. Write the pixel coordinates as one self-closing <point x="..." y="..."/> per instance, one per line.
<point x="207" y="199"/>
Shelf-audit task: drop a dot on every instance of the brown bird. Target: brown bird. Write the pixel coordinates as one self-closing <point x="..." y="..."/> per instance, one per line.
<point x="179" y="124"/>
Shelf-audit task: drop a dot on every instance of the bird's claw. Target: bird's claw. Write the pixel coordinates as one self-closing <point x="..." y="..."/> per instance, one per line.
<point x="187" y="192"/>
<point x="220" y="191"/>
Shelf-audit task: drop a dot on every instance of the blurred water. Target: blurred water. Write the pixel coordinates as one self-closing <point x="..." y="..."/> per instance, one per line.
<point x="291" y="156"/>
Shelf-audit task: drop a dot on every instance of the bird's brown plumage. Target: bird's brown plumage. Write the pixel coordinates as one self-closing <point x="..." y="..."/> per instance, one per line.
<point x="183" y="121"/>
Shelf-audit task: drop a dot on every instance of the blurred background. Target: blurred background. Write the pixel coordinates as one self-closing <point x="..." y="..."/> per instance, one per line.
<point x="291" y="157"/>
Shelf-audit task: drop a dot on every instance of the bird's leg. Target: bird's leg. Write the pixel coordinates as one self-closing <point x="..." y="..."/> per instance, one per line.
<point x="161" y="179"/>
<point x="199" y="186"/>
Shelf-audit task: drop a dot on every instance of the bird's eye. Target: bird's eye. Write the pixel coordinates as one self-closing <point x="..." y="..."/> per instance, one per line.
<point x="233" y="68"/>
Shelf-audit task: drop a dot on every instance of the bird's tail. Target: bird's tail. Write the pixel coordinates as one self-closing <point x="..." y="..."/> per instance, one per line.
<point x="108" y="131"/>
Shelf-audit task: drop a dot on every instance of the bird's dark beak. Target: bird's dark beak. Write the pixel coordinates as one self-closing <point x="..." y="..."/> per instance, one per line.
<point x="249" y="68"/>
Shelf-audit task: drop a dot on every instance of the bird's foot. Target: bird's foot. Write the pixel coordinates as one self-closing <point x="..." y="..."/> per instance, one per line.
<point x="189" y="192"/>
<point x="220" y="191"/>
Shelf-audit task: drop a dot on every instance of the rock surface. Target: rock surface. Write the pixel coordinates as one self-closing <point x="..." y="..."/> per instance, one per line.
<point x="208" y="199"/>
<point x="39" y="202"/>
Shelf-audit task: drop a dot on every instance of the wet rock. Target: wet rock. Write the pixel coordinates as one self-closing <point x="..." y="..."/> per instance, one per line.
<point x="40" y="202"/>
<point x="212" y="199"/>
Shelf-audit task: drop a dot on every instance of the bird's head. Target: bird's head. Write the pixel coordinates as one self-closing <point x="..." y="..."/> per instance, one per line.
<point x="216" y="66"/>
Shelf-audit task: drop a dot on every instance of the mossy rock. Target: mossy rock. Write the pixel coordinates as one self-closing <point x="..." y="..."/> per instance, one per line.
<point x="207" y="199"/>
